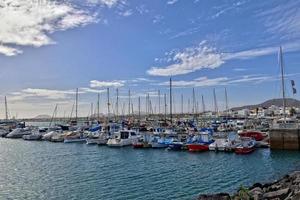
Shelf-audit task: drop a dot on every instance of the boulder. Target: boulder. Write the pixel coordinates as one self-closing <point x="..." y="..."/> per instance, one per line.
<point x="279" y="194"/>
<point x="220" y="196"/>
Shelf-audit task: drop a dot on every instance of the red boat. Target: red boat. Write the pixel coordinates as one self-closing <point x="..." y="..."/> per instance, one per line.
<point x="258" y="136"/>
<point x="245" y="147"/>
<point x="138" y="145"/>
<point x="197" y="147"/>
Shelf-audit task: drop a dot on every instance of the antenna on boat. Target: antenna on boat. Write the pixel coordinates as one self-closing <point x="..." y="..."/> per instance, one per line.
<point x="6" y="109"/>
<point x="280" y="60"/>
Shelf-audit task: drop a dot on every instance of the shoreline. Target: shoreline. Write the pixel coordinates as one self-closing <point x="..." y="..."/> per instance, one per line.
<point x="286" y="188"/>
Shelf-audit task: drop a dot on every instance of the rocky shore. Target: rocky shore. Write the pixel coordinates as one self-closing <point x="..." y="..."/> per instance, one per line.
<point x="287" y="188"/>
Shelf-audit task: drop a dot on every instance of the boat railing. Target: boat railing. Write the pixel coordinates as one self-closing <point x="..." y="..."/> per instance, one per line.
<point x="285" y="126"/>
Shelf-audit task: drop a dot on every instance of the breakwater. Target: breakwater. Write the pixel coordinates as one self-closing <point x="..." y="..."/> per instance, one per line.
<point x="285" y="139"/>
<point x="286" y="188"/>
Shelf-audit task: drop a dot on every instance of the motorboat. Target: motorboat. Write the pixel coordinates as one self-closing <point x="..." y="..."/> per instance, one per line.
<point x="74" y="137"/>
<point x="123" y="138"/>
<point x="246" y="146"/>
<point x="19" y="133"/>
<point x="257" y="135"/>
<point x="220" y="144"/>
<point x="200" y="142"/>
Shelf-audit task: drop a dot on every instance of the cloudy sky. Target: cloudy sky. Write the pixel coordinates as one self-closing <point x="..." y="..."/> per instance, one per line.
<point x="49" y="48"/>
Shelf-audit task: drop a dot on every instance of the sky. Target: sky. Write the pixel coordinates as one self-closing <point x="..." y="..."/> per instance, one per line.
<point x="49" y="48"/>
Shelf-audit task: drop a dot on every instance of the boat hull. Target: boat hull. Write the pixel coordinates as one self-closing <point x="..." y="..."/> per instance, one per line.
<point x="78" y="140"/>
<point x="197" y="147"/>
<point x="244" y="150"/>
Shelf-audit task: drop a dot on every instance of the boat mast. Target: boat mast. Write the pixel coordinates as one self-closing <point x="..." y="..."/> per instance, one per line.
<point x="203" y="105"/>
<point x="76" y="105"/>
<point x="215" y="102"/>
<point x="182" y="104"/>
<point x="98" y="107"/>
<point x="117" y="106"/>
<point x="282" y="81"/>
<point x="129" y="103"/>
<point x="139" y="102"/>
<point x="165" y="99"/>
<point x="108" y="105"/>
<point x="171" y="116"/>
<point x="226" y="102"/>
<point x="6" y="109"/>
<point x="53" y="115"/>
<point x="194" y="103"/>
<point x="158" y="102"/>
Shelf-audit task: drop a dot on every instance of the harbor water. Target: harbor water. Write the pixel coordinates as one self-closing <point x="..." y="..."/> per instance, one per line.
<point x="44" y="170"/>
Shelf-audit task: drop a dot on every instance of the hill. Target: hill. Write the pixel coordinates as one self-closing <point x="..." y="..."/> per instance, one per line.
<point x="277" y="102"/>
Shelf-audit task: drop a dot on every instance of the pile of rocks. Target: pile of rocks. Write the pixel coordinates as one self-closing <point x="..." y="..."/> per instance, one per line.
<point x="287" y="188"/>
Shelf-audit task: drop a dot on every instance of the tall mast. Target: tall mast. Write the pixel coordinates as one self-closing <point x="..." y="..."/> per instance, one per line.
<point x="282" y="81"/>
<point x="171" y="116"/>
<point x="76" y="105"/>
<point x="165" y="99"/>
<point x="182" y="104"/>
<point x="159" y="102"/>
<point x="129" y="103"/>
<point x="98" y="107"/>
<point x="203" y="105"/>
<point x="226" y="102"/>
<point x="117" y="106"/>
<point x="194" y="102"/>
<point x="215" y="102"/>
<point x="139" y="102"/>
<point x="108" y="105"/>
<point x="92" y="109"/>
<point x="6" y="109"/>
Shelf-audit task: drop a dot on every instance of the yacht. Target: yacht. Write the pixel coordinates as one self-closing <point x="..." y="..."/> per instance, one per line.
<point x="123" y="138"/>
<point x="19" y="133"/>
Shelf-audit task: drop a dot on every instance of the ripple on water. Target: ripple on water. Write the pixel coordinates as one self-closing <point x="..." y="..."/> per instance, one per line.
<point x="43" y="170"/>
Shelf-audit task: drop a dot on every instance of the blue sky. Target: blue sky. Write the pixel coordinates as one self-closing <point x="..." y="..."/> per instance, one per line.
<point x="49" y="48"/>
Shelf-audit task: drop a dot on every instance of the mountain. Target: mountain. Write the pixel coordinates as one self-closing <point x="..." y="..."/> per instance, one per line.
<point x="43" y="117"/>
<point x="277" y="102"/>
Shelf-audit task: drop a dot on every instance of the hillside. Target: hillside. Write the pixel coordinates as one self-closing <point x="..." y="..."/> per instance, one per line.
<point x="277" y="102"/>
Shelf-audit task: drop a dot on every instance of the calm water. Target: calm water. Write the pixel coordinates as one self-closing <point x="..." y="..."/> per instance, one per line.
<point x="43" y="170"/>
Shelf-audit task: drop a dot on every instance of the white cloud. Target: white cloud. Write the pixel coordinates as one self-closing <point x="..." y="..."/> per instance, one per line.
<point x="108" y="3"/>
<point x="105" y="84"/>
<point x="90" y="90"/>
<point x="219" y="81"/>
<point x="29" y="23"/>
<point x="9" y="51"/>
<point x="205" y="57"/>
<point x="126" y="13"/>
<point x="189" y="60"/>
<point x="171" y="2"/>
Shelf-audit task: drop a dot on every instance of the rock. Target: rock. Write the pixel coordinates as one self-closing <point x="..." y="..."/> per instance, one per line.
<point x="220" y="196"/>
<point x="279" y="194"/>
<point x="256" y="193"/>
<point x="296" y="196"/>
<point x="256" y="185"/>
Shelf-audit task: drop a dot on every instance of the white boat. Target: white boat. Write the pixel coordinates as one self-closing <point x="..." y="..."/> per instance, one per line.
<point x="19" y="133"/>
<point x="123" y="138"/>
<point x="219" y="145"/>
<point x="49" y="135"/>
<point x="33" y="136"/>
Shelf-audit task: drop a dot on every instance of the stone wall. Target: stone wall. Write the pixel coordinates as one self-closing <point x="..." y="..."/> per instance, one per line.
<point x="287" y="139"/>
